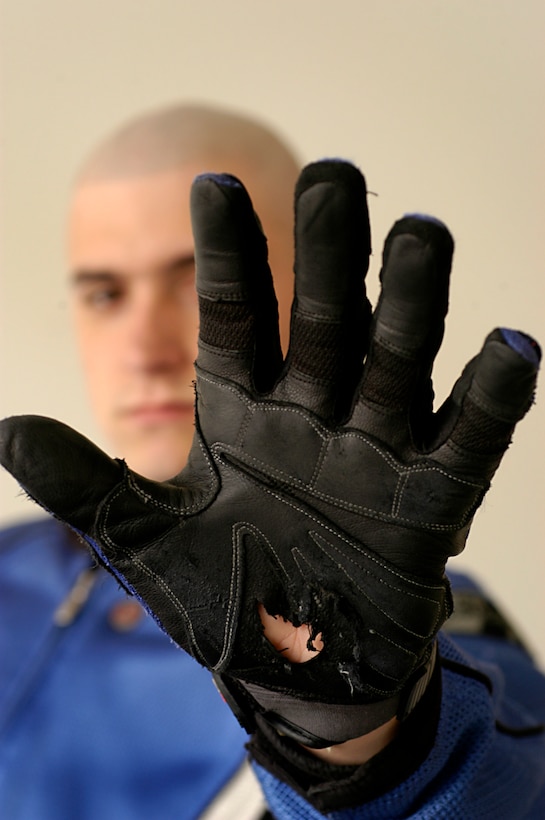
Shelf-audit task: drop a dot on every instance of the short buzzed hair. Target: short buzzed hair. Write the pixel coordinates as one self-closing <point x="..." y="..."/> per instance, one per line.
<point x="208" y="138"/>
<point x="167" y="138"/>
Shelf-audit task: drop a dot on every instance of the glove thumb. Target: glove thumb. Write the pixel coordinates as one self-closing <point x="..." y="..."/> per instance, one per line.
<point x="60" y="469"/>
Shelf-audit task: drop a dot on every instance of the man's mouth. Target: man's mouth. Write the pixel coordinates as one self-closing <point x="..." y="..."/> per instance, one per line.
<point x="159" y="413"/>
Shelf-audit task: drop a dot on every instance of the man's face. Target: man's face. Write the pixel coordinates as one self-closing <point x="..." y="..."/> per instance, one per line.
<point x="136" y="313"/>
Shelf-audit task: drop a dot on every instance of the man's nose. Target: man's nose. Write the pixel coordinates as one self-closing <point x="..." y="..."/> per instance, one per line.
<point x="161" y="335"/>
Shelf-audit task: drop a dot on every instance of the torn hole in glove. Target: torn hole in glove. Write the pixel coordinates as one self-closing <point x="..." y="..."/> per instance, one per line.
<point x="297" y="644"/>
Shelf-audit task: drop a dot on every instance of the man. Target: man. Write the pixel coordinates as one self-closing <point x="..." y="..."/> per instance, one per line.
<point x="131" y="261"/>
<point x="102" y="716"/>
<point x="439" y="744"/>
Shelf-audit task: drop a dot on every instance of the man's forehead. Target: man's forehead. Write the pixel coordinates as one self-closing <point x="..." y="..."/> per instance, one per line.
<point x="138" y="220"/>
<point x="165" y="183"/>
<point x="120" y="221"/>
<point x="147" y="191"/>
<point x="117" y="202"/>
<point x="112" y="203"/>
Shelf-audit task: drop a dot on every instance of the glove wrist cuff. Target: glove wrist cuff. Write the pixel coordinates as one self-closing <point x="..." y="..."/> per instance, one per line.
<point x="331" y="787"/>
<point x="316" y="724"/>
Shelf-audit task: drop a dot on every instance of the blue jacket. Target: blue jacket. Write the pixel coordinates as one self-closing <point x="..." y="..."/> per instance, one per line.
<point x="102" y="718"/>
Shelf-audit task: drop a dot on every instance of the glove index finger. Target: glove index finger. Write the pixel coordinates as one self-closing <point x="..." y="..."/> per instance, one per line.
<point x="238" y="334"/>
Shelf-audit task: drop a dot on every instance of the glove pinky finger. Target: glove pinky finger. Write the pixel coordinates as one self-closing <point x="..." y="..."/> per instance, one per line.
<point x="499" y="386"/>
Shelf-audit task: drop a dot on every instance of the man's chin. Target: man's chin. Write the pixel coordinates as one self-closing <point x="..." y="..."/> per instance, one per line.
<point x="158" y="457"/>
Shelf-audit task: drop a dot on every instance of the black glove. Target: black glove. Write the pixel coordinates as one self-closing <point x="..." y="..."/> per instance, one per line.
<point x="324" y="488"/>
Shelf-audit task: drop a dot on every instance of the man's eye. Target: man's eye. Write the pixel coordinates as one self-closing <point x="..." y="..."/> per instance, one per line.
<point x="103" y="298"/>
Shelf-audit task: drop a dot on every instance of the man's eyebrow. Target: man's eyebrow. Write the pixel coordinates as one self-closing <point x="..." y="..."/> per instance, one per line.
<point x="186" y="260"/>
<point x="86" y="276"/>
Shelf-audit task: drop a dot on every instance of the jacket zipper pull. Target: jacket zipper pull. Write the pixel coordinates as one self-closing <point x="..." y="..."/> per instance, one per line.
<point x="68" y="610"/>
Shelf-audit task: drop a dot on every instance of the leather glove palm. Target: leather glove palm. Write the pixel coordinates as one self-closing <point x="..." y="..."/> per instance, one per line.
<point x="324" y="488"/>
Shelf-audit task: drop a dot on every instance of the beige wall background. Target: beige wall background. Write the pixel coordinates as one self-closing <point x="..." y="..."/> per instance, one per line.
<point x="440" y="103"/>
